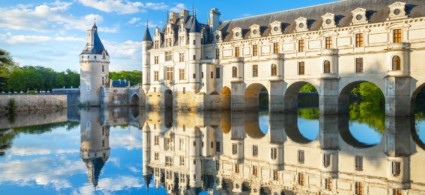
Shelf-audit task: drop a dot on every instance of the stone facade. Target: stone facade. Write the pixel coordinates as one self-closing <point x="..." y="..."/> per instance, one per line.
<point x="33" y="102"/>
<point x="230" y="153"/>
<point x="333" y="46"/>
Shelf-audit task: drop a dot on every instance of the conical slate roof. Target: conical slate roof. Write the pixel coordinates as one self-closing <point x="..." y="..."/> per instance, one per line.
<point x="96" y="46"/>
<point x="196" y="27"/>
<point x="147" y="36"/>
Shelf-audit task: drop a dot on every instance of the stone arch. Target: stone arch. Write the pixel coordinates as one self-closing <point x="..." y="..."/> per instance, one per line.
<point x="345" y="134"/>
<point x="415" y="95"/>
<point x="291" y="95"/>
<point x="344" y="94"/>
<point x="226" y="94"/>
<point x="252" y="96"/>
<point x="134" y="100"/>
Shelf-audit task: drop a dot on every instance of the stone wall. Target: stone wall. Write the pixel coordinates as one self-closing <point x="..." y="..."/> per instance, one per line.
<point x="31" y="118"/>
<point x="33" y="102"/>
<point x="73" y="95"/>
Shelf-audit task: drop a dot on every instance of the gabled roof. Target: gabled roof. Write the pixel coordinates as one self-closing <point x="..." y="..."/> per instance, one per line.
<point x="377" y="11"/>
<point x="96" y="46"/>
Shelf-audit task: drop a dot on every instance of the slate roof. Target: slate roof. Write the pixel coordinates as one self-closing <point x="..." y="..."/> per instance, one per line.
<point x="98" y="47"/>
<point x="147" y="36"/>
<point x="377" y="11"/>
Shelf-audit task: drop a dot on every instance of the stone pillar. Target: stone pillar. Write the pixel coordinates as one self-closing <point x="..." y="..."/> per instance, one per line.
<point x="238" y="96"/>
<point x="328" y="95"/>
<point x="276" y="103"/>
<point x="328" y="137"/>
<point x="397" y="96"/>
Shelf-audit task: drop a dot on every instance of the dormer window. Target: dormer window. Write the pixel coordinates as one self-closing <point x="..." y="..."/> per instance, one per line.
<point x="237" y="32"/>
<point x="328" y="20"/>
<point x="276" y="28"/>
<point x="255" y="31"/>
<point x="359" y="16"/>
<point x="397" y="11"/>
<point x="301" y="24"/>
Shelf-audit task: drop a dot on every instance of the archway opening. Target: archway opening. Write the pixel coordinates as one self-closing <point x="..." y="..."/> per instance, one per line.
<point x="418" y="109"/>
<point x="168" y="99"/>
<point x="256" y="124"/>
<point x="257" y="97"/>
<point x="134" y="100"/>
<point x="226" y="98"/>
<point x="364" y="104"/>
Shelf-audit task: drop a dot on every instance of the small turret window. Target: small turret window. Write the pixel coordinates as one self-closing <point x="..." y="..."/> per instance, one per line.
<point x="95" y="57"/>
<point x="104" y="56"/>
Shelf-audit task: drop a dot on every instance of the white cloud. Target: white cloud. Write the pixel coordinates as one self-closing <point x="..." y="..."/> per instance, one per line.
<point x="19" y="39"/>
<point x="178" y="7"/>
<point x="110" y="185"/>
<point x="126" y="6"/>
<point x="133" y="20"/>
<point x="46" y="18"/>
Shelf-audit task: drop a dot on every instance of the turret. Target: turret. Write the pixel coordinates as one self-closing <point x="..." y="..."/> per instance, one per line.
<point x="94" y="68"/>
<point x="146" y="45"/>
<point x="195" y="48"/>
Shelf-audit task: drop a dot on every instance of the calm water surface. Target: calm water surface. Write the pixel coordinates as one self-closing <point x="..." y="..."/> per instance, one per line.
<point x="129" y="151"/>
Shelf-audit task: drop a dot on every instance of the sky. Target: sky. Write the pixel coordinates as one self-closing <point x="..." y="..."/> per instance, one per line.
<point x="53" y="33"/>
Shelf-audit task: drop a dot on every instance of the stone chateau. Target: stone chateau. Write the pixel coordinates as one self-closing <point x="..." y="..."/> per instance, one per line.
<point x="222" y="65"/>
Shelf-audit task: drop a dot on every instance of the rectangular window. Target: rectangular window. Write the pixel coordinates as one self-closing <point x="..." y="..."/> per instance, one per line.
<point x="156" y="60"/>
<point x="217" y="146"/>
<point x="359" y="163"/>
<point x="328" y="41"/>
<point x="358" y="188"/>
<point x="217" y="54"/>
<point x="300" y="179"/>
<point x="301" y="156"/>
<point x="194" y="76"/>
<point x="254" y="50"/>
<point x="194" y="57"/>
<point x="234" y="149"/>
<point x="234" y="72"/>
<point x="181" y="160"/>
<point x="156" y="45"/>
<point x="212" y="75"/>
<point x="181" y="74"/>
<point x="168" y="161"/>
<point x="301" y="46"/>
<point x="359" y="65"/>
<point x="328" y="184"/>
<point x="254" y="150"/>
<point x="237" y="52"/>
<point x="156" y="140"/>
<point x="156" y="156"/>
<point x="275" y="48"/>
<point x="301" y="68"/>
<point x="170" y="73"/>
<point x="194" y="42"/>
<point x="217" y="73"/>
<point x="395" y="166"/>
<point x="156" y="75"/>
<point x="168" y="56"/>
<point x="181" y="57"/>
<point x="275" y="175"/>
<point x="236" y="168"/>
<point x="397" y="36"/>
<point x="103" y="68"/>
<point x="273" y="153"/>
<point x="181" y="144"/>
<point x="254" y="70"/>
<point x="359" y="40"/>
<point x="254" y="170"/>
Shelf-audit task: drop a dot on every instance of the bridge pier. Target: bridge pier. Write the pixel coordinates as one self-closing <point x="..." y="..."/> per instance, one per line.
<point x="397" y="96"/>
<point x="328" y="95"/>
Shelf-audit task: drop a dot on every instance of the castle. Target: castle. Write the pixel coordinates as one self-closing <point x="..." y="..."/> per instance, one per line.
<point x="224" y="65"/>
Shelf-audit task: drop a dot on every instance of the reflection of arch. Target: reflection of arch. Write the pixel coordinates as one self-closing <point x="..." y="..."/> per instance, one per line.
<point x="344" y="95"/>
<point x="415" y="135"/>
<point x="291" y="128"/>
<point x="252" y="96"/>
<point x="291" y="96"/>
<point x="134" y="100"/>
<point x="419" y="91"/>
<point x="252" y="126"/>
<point x="396" y="63"/>
<point x="344" y="132"/>
<point x="168" y="99"/>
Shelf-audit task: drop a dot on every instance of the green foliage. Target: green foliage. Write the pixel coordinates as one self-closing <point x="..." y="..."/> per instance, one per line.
<point x="309" y="113"/>
<point x="308" y="88"/>
<point x="39" y="78"/>
<point x="12" y="110"/>
<point x="135" y="77"/>
<point x="6" y="66"/>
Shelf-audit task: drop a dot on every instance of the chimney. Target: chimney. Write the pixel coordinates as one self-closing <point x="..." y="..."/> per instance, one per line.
<point x="173" y="17"/>
<point x="214" y="20"/>
<point x="184" y="14"/>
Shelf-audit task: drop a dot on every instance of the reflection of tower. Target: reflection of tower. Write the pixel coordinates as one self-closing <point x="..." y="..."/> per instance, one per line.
<point x="94" y="146"/>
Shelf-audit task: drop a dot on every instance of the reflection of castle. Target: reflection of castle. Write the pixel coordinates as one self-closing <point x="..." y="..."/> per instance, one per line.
<point x="231" y="154"/>
<point x="94" y="143"/>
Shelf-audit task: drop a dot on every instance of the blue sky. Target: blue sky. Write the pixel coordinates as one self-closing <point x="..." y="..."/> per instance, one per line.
<point x="53" y="33"/>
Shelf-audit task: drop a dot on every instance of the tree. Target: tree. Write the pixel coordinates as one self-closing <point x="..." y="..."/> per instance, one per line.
<point x="6" y="66"/>
<point x="135" y="77"/>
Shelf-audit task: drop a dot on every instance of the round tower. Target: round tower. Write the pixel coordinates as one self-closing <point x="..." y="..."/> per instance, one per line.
<point x="94" y="69"/>
<point x="94" y="146"/>
<point x="195" y="47"/>
<point x="146" y="45"/>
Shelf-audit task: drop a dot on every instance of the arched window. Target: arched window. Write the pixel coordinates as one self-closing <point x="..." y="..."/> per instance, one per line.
<point x="327" y="67"/>
<point x="396" y="63"/>
<point x="274" y="70"/>
<point x="234" y="72"/>
<point x="326" y="160"/>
